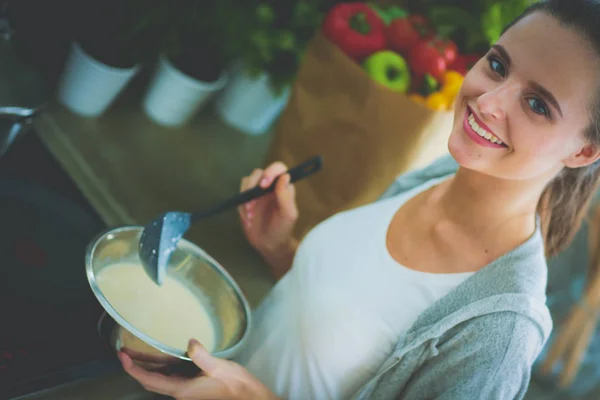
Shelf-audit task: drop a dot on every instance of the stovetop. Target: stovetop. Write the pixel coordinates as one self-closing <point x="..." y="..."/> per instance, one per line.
<point x="48" y="325"/>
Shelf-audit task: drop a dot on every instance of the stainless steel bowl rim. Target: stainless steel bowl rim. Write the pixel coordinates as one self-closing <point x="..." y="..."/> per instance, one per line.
<point x="226" y="353"/>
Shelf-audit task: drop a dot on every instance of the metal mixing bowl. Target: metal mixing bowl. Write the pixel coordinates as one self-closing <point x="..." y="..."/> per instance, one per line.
<point x="193" y="267"/>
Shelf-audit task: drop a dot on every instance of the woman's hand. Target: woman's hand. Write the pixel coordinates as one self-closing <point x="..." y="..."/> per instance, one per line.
<point x="220" y="379"/>
<point x="269" y="222"/>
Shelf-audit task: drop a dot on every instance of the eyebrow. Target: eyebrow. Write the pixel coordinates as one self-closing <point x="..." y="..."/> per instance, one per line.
<point x="536" y="86"/>
<point x="546" y="93"/>
<point x="500" y="49"/>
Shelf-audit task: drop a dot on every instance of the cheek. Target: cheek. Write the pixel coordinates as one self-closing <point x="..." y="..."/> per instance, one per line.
<point x="537" y="149"/>
<point x="531" y="135"/>
<point x="531" y="143"/>
<point x="476" y="81"/>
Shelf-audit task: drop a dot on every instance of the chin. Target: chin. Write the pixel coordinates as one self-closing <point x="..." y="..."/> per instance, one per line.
<point x="462" y="155"/>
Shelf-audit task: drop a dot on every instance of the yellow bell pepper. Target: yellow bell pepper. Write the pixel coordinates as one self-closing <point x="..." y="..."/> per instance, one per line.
<point x="451" y="84"/>
<point x="437" y="101"/>
<point x="452" y="77"/>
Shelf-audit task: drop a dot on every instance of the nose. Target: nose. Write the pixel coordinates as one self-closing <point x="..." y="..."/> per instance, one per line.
<point x="494" y="103"/>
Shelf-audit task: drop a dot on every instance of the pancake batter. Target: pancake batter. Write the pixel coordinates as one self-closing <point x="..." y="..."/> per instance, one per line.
<point x="170" y="313"/>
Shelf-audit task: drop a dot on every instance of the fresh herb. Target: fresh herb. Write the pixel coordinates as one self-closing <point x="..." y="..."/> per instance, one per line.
<point x="473" y="24"/>
<point x="271" y="36"/>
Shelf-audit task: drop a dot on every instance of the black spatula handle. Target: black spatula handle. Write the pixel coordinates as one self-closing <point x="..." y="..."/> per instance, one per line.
<point x="297" y="173"/>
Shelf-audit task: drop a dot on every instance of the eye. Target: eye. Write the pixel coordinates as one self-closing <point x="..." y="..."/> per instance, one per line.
<point x="497" y="66"/>
<point x="538" y="106"/>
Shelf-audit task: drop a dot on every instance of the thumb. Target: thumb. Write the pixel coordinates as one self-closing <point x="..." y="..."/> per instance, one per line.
<point x="201" y="357"/>
<point x="286" y="197"/>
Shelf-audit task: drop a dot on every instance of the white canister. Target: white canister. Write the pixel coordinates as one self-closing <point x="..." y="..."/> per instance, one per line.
<point x="174" y="97"/>
<point x="249" y="104"/>
<point x="87" y="87"/>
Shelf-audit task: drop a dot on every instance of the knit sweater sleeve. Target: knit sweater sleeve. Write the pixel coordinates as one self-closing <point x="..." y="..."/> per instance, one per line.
<point x="488" y="357"/>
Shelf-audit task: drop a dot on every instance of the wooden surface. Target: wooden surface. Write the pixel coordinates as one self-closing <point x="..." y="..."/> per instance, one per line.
<point x="130" y="170"/>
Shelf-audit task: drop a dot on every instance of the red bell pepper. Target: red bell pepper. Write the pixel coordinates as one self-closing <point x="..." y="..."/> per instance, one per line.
<point x="356" y="29"/>
<point x="463" y="63"/>
<point x="448" y="48"/>
<point x="427" y="58"/>
<point x="404" y="33"/>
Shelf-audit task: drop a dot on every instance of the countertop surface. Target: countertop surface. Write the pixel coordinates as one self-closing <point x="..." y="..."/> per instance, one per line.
<point x="130" y="170"/>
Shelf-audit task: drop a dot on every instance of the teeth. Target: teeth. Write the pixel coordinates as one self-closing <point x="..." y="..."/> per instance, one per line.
<point x="482" y="132"/>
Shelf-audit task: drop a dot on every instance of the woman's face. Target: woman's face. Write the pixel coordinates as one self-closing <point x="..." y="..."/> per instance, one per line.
<point x="531" y="92"/>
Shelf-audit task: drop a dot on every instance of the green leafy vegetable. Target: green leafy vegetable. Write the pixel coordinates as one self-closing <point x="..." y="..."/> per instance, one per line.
<point x="473" y="24"/>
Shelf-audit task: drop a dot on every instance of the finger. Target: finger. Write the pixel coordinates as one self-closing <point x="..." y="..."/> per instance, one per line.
<point x="272" y="172"/>
<point x="152" y="381"/>
<point x="252" y="182"/>
<point x="138" y="356"/>
<point x="285" y="193"/>
<point x="243" y="183"/>
<point x="245" y="221"/>
<point x="249" y="206"/>
<point x="202" y="358"/>
<point x="246" y="215"/>
<point x="241" y="209"/>
<point x="254" y="178"/>
<point x="248" y="183"/>
<point x="242" y="188"/>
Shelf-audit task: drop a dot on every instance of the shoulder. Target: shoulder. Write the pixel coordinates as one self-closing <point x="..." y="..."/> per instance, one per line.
<point x="443" y="166"/>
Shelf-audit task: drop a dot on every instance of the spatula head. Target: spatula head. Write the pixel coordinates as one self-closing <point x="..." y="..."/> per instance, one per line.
<point x="158" y="241"/>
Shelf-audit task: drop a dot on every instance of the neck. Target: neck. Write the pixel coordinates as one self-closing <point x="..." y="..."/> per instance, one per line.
<point x="479" y="203"/>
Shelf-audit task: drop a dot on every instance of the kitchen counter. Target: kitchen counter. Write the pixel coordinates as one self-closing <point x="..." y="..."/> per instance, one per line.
<point x="130" y="170"/>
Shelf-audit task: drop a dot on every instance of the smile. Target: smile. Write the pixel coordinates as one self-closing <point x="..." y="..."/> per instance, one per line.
<point x="481" y="134"/>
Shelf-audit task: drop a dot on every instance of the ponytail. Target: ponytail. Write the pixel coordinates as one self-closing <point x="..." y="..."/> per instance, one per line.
<point x="565" y="201"/>
<point x="564" y="204"/>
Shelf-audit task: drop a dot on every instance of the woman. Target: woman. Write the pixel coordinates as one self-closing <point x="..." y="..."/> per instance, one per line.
<point x="438" y="289"/>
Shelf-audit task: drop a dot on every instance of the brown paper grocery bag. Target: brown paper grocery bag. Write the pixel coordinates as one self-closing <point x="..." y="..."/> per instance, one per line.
<point x="366" y="133"/>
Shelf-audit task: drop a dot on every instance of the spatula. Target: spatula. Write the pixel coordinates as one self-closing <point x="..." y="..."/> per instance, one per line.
<point x="160" y="237"/>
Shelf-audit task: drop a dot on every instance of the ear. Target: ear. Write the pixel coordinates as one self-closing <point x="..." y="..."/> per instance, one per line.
<point x="587" y="155"/>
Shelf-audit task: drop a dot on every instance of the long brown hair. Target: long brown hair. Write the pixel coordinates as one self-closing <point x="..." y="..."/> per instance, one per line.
<point x="566" y="199"/>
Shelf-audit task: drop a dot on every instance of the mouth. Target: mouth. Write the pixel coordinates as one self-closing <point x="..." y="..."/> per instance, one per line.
<point x="479" y="132"/>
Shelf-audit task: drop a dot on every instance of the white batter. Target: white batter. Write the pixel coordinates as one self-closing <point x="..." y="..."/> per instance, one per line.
<point x="170" y="313"/>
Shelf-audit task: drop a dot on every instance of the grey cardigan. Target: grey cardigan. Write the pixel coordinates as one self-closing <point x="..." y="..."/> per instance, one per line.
<point x="481" y="340"/>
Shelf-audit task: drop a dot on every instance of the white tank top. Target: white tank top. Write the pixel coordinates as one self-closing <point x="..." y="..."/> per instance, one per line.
<point x="333" y="319"/>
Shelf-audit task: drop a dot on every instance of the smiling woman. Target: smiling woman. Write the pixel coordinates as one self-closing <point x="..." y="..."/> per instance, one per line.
<point x="546" y="65"/>
<point x="438" y="289"/>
